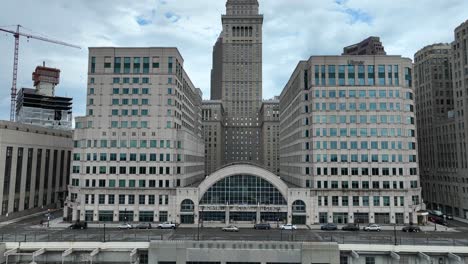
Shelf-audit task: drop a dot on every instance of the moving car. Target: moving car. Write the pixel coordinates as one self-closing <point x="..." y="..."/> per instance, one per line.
<point x="288" y="227"/>
<point x="372" y="227"/>
<point x="167" y="225"/>
<point x="143" y="226"/>
<point x="350" y="227"/>
<point x="231" y="228"/>
<point x="262" y="226"/>
<point x="79" y="225"/>
<point x="329" y="226"/>
<point x="125" y="226"/>
<point x="411" y="228"/>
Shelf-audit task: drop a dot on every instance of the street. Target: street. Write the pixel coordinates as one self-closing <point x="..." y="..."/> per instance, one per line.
<point x="30" y="230"/>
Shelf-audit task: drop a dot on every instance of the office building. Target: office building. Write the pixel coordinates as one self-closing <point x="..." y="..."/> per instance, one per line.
<point x="347" y="131"/>
<point x="269" y="147"/>
<point x="460" y="86"/>
<point x="436" y="126"/>
<point x="213" y="131"/>
<point x="369" y="46"/>
<point x="140" y="139"/>
<point x="236" y="80"/>
<point x="34" y="168"/>
<point x="343" y="130"/>
<point x="441" y="72"/>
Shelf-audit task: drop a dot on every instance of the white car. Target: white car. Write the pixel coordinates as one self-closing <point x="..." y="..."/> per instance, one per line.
<point x="125" y="226"/>
<point x="167" y="225"/>
<point x="231" y="228"/>
<point x="372" y="227"/>
<point x="288" y="227"/>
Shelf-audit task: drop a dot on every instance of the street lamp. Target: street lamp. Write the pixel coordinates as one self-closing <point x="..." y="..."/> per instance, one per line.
<point x="358" y="218"/>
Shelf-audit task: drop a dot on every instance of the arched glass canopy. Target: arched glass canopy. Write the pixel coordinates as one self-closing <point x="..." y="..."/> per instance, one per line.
<point x="243" y="190"/>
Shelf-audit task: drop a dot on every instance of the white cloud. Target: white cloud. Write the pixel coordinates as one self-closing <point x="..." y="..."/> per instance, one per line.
<point x="293" y="31"/>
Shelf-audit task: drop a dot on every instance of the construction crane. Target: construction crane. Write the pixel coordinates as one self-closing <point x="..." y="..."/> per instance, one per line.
<point x="17" y="34"/>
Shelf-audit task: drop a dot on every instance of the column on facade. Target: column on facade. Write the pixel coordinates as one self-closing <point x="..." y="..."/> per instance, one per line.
<point x="227" y="214"/>
<point x="258" y="214"/>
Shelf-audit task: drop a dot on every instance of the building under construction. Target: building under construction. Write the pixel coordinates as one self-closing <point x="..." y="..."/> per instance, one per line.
<point x="40" y="106"/>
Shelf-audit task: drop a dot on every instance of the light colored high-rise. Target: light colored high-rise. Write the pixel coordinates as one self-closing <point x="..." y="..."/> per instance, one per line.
<point x="140" y="139"/>
<point x="347" y="130"/>
<point x="237" y="80"/>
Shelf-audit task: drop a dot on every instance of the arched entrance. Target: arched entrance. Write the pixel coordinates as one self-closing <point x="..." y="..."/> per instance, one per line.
<point x="187" y="210"/>
<point x="243" y="193"/>
<point x="299" y="212"/>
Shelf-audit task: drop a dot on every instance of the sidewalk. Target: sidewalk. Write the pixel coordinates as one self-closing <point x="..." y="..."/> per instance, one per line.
<point x="15" y="220"/>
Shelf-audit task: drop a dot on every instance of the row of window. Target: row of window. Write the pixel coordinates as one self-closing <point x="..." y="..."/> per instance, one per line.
<point x="362" y="171"/>
<point x="128" y="112"/>
<point x="104" y="143"/>
<point x="382" y="106"/>
<point x="360" y="94"/>
<point x="365" y="184"/>
<point x="363" y="132"/>
<point x="361" y="200"/>
<point x="132" y="170"/>
<point x="364" y="145"/>
<point x="126" y="101"/>
<point x="126" y="199"/>
<point x="126" y="80"/>
<point x="362" y="106"/>
<point x="111" y="183"/>
<point x="354" y="119"/>
<point x="356" y="75"/>
<point x="129" y="157"/>
<point x="125" y="91"/>
<point x="384" y="158"/>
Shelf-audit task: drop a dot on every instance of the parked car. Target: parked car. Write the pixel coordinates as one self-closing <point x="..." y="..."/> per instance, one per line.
<point x="411" y="228"/>
<point x="125" y="226"/>
<point x="449" y="216"/>
<point x="372" y="227"/>
<point x="437" y="220"/>
<point x="262" y="226"/>
<point x="231" y="228"/>
<point x="288" y="227"/>
<point x="350" y="227"/>
<point x="143" y="226"/>
<point x="329" y="226"/>
<point x="167" y="225"/>
<point x="79" y="225"/>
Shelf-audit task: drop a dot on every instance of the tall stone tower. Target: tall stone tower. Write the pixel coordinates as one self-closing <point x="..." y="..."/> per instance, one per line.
<point x="237" y="79"/>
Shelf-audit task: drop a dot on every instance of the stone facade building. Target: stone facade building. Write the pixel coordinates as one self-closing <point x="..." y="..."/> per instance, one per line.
<point x="269" y="147"/>
<point x="141" y="137"/>
<point x="347" y="132"/>
<point x="34" y="168"/>
<point x="236" y="80"/>
<point x="441" y="72"/>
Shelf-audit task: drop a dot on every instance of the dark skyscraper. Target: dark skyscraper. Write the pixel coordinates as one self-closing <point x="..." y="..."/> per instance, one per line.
<point x="236" y="79"/>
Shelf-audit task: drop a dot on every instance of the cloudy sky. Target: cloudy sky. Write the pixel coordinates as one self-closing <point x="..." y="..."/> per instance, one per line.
<point x="293" y="31"/>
